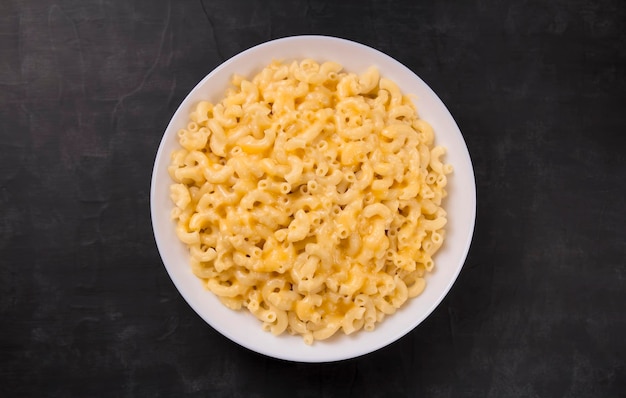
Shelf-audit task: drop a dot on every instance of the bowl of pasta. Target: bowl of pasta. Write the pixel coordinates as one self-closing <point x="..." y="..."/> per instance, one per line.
<point x="312" y="199"/>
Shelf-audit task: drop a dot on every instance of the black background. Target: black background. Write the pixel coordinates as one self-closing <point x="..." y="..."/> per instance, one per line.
<point x="87" y="88"/>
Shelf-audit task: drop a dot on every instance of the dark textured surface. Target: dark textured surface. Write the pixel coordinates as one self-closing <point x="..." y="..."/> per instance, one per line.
<point x="86" y="91"/>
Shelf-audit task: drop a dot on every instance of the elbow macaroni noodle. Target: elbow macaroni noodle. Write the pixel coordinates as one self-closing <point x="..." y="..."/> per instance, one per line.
<point x="311" y="197"/>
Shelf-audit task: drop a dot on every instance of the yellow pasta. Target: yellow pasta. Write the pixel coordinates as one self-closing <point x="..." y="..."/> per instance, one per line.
<point x="311" y="197"/>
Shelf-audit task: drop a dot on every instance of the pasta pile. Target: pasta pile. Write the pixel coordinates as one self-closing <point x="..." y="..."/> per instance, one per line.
<point x="311" y="197"/>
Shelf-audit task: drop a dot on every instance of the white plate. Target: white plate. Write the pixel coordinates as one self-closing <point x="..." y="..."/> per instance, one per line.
<point x="240" y="326"/>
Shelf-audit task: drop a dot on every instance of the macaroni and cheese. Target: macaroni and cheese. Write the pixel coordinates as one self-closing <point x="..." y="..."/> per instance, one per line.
<point x="311" y="197"/>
